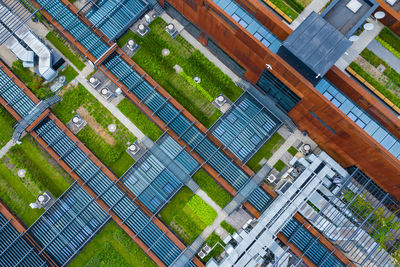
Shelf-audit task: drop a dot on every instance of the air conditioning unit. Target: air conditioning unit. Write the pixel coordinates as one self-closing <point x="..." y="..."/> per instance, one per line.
<point x="201" y="254"/>
<point x="134" y="149"/>
<point x="271" y="178"/>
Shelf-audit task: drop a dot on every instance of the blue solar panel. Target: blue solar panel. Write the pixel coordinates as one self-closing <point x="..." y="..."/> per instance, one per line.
<point x="14" y="95"/>
<point x="308" y="244"/>
<point x="112" y="195"/>
<point x="360" y="117"/>
<point x="245" y="127"/>
<point x="248" y="22"/>
<point x="114" y="17"/>
<point x="75" y="27"/>
<point x="260" y="199"/>
<point x="15" y="249"/>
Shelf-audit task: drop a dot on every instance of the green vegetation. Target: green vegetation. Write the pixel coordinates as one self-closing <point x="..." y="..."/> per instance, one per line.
<point x="112" y="247"/>
<point x="138" y="118"/>
<point x="70" y="73"/>
<point x="213" y="190"/>
<point x="266" y="151"/>
<point x="6" y="129"/>
<point x="61" y="44"/>
<point x="376" y="84"/>
<point x="384" y="228"/>
<point x="187" y="214"/>
<point x="312" y="206"/>
<point x="195" y="98"/>
<point x="42" y="173"/>
<point x="211" y="241"/>
<point x="111" y="153"/>
<point x="279" y="165"/>
<point x="390" y="40"/>
<point x="292" y="151"/>
<point x="286" y="8"/>
<point x="229" y="228"/>
<point x="202" y="210"/>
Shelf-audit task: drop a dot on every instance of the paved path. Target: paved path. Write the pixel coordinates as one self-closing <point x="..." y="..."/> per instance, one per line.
<point x="366" y="37"/>
<point x="315" y="5"/>
<point x="113" y="109"/>
<point x="196" y="44"/>
<point x="6" y="148"/>
<point x="385" y="54"/>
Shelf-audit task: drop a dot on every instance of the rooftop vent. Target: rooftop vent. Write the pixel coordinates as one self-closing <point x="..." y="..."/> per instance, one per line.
<point x="134" y="149"/>
<point x="142" y="29"/>
<point x="220" y="100"/>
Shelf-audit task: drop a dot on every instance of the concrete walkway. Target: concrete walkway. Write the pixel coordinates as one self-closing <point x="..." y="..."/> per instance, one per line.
<point x="385" y="54"/>
<point x="315" y="5"/>
<point x="196" y="44"/>
<point x="358" y="46"/>
<point x="113" y="109"/>
<point x="6" y="148"/>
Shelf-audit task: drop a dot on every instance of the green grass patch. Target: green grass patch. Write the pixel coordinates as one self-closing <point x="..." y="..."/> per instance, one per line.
<point x="390" y="38"/>
<point x="6" y="129"/>
<point x="377" y="85"/>
<point x="138" y="118"/>
<point x="70" y="73"/>
<point x="229" y="228"/>
<point x="202" y="210"/>
<point x="61" y="44"/>
<point x="279" y="165"/>
<point x="266" y="151"/>
<point x="212" y="188"/>
<point x="285" y="8"/>
<point x="114" y="156"/>
<point x="292" y="151"/>
<point x="195" y="98"/>
<point x="112" y="247"/>
<point x="211" y="241"/>
<point x="42" y="173"/>
<point x="187" y="220"/>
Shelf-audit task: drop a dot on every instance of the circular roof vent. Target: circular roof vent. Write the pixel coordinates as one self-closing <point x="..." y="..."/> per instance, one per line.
<point x="134" y="148"/>
<point x="170" y="28"/>
<point x="92" y="80"/>
<point x="142" y="28"/>
<point x="76" y="120"/>
<point x="104" y="91"/>
<point x="21" y="173"/>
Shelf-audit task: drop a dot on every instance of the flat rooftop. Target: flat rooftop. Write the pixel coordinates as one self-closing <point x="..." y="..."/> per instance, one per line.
<point x="340" y="15"/>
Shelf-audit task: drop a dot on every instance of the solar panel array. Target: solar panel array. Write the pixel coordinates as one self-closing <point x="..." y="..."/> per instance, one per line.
<point x="173" y="118"/>
<point x="251" y="24"/>
<point x="69" y="224"/>
<point x="114" y="17"/>
<point x="260" y="199"/>
<point x="360" y="117"/>
<point x="15" y="96"/>
<point x="309" y="245"/>
<point x="245" y="127"/>
<point x="75" y="27"/>
<point x="94" y="177"/>
<point x="15" y="249"/>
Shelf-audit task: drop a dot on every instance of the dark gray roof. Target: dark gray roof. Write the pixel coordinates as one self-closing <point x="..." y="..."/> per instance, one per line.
<point x="317" y="44"/>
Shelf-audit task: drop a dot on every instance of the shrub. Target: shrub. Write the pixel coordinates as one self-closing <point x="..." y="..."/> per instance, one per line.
<point x="202" y="210"/>
<point x="229" y="228"/>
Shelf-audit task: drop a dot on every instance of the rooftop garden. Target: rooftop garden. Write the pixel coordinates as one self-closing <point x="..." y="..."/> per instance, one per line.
<point x="265" y="152"/>
<point x="292" y="8"/>
<point x="196" y="98"/>
<point x="112" y="247"/>
<point x="187" y="215"/>
<point x="6" y="129"/>
<point x="42" y="173"/>
<point x="109" y="147"/>
<point x="133" y="113"/>
<point x="34" y="82"/>
<point x="212" y="188"/>
<point x="387" y="82"/>
<point x="66" y="49"/>
<point x="215" y="242"/>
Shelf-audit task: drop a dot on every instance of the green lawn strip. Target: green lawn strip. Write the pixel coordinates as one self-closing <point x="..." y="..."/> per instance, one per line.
<point x="376" y="84"/>
<point x="266" y="151"/>
<point x="195" y="100"/>
<point x="17" y="196"/>
<point x="6" y="129"/>
<point x="61" y="44"/>
<point x="70" y="73"/>
<point x="187" y="222"/>
<point x="114" y="156"/>
<point x="211" y="241"/>
<point x="211" y="187"/>
<point x="147" y="126"/>
<point x="112" y="247"/>
<point x="285" y="8"/>
<point x="229" y="228"/>
<point x="279" y="165"/>
<point x="390" y="38"/>
<point x="202" y="210"/>
<point x="292" y="151"/>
